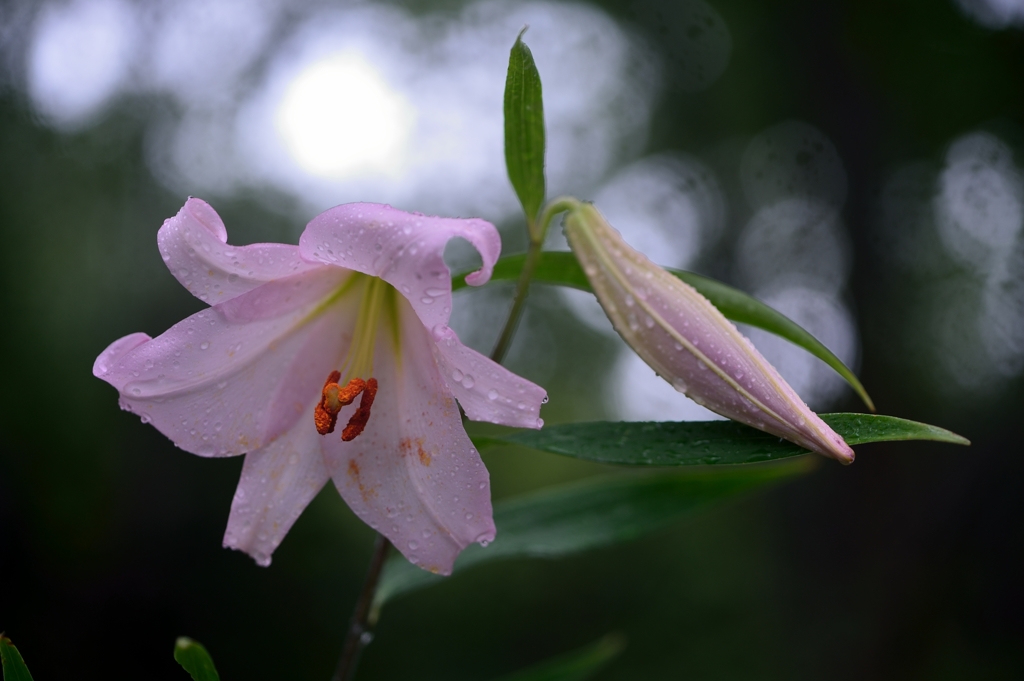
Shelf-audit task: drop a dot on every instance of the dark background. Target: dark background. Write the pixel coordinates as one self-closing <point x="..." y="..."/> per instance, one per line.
<point x="905" y="565"/>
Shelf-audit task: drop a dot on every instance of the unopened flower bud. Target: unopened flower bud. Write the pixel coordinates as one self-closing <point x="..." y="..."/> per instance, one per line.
<point x="688" y="342"/>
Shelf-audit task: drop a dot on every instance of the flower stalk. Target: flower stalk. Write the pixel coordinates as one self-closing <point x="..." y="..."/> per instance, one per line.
<point x="537" y="230"/>
<point x="360" y="627"/>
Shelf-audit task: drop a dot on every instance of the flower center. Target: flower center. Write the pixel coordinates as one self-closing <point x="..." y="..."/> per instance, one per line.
<point x="378" y="296"/>
<point x="334" y="397"/>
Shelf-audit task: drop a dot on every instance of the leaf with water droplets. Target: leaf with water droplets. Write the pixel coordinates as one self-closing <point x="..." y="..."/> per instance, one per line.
<point x="695" y="443"/>
<point x="192" y="656"/>
<point x="560" y="268"/>
<point x="596" y="512"/>
<point x="524" y="129"/>
<point x="574" y="666"/>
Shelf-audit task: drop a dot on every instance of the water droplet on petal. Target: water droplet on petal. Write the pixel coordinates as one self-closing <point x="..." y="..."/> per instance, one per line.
<point x="204" y="345"/>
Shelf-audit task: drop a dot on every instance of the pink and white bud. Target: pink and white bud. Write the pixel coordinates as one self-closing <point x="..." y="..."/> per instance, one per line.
<point x="688" y="342"/>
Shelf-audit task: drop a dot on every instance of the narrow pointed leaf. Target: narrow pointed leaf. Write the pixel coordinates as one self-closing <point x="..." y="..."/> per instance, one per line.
<point x="196" y="661"/>
<point x="701" y="443"/>
<point x="524" y="129"/>
<point x="560" y="268"/>
<point x="575" y="666"/>
<point x="595" y="512"/>
<point x="13" y="665"/>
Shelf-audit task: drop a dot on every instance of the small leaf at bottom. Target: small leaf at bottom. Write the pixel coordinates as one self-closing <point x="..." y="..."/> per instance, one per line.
<point x="193" y="657"/>
<point x="13" y="664"/>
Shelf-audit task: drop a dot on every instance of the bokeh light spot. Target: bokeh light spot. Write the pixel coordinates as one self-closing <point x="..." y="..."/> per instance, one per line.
<point x="79" y="58"/>
<point x="339" y="117"/>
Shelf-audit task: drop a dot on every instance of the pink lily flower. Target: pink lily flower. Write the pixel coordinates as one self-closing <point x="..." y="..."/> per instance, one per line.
<point x="294" y="335"/>
<point x="688" y="342"/>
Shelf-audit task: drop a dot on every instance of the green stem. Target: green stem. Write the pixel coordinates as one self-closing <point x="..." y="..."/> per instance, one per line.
<point x="538" y="232"/>
<point x="360" y="628"/>
<point x="518" y="303"/>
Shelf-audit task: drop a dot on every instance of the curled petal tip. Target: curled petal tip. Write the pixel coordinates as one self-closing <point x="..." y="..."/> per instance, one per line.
<point x="115" y="351"/>
<point x="206" y="216"/>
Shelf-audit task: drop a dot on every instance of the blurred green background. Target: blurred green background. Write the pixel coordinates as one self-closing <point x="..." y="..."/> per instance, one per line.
<point x="905" y="565"/>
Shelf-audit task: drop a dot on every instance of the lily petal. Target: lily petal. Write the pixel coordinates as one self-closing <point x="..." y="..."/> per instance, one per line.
<point x="194" y="245"/>
<point x="277" y="484"/>
<point x="486" y="390"/>
<point x="222" y="381"/>
<point x="413" y="474"/>
<point x="404" y="249"/>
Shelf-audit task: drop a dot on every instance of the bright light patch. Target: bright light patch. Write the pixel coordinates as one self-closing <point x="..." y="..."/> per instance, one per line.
<point x="80" y="57"/>
<point x="338" y="118"/>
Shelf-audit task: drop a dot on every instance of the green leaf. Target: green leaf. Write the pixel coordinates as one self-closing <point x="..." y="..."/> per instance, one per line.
<point x="695" y="443"/>
<point x="575" y="666"/>
<point x="591" y="513"/>
<point x="560" y="268"/>
<point x="193" y="657"/>
<point x="524" y="129"/>
<point x="13" y="665"/>
<point x="859" y="429"/>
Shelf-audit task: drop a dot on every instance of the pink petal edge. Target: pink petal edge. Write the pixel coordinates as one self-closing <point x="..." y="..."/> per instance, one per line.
<point x="194" y="246"/>
<point x="276" y="485"/>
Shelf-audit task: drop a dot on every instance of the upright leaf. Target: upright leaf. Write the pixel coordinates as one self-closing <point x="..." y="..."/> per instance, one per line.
<point x="575" y="666"/>
<point x="524" y="129"/>
<point x="13" y="665"/>
<point x="193" y="657"/>
<point x="694" y="443"/>
<point x="595" y="512"/>
<point x="561" y="269"/>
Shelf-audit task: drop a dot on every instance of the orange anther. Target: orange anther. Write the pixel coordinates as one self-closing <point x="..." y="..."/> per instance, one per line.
<point x="332" y="399"/>
<point x="357" y="423"/>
